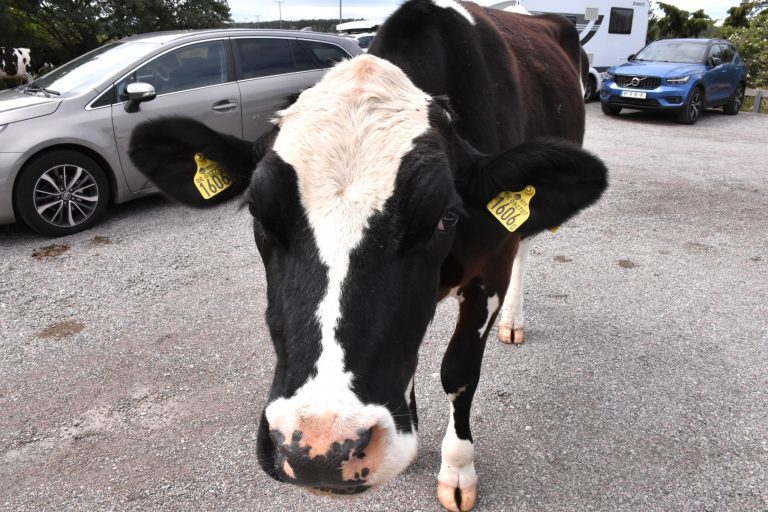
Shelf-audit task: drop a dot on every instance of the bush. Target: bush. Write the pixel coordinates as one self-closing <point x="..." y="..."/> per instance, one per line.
<point x="752" y="43"/>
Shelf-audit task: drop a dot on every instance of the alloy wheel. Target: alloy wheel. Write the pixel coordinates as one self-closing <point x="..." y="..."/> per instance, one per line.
<point x="695" y="105"/>
<point x="65" y="195"/>
<point x="738" y="98"/>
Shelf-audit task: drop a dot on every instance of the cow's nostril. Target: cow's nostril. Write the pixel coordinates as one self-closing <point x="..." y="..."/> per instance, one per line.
<point x="363" y="440"/>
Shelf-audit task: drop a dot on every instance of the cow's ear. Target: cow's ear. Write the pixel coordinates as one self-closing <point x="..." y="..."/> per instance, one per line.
<point x="553" y="180"/>
<point x="193" y="164"/>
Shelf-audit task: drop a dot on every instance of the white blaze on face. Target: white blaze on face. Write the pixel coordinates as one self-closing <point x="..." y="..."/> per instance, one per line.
<point x="345" y="138"/>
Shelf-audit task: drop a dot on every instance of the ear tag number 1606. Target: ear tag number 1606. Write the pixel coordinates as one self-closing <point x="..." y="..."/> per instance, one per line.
<point x="210" y="179"/>
<point x="511" y="209"/>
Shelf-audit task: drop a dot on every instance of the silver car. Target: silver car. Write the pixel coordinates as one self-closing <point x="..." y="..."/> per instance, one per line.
<point x="64" y="137"/>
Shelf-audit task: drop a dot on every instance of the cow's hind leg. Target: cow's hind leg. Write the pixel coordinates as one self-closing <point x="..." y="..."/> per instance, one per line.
<point x="511" y="328"/>
<point x="460" y="373"/>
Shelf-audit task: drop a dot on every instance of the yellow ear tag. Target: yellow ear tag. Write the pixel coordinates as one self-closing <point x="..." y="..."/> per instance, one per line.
<point x="512" y="208"/>
<point x="210" y="179"/>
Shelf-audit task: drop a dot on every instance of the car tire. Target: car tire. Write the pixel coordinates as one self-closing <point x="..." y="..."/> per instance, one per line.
<point x="733" y="106"/>
<point x="589" y="89"/>
<point x="609" y="110"/>
<point x="694" y="107"/>
<point x="61" y="193"/>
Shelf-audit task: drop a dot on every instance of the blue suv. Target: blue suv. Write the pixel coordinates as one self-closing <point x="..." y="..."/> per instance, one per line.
<point x="684" y="76"/>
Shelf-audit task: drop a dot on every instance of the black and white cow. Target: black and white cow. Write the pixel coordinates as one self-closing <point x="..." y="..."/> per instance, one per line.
<point x="15" y="64"/>
<point x="373" y="198"/>
<point x="21" y="64"/>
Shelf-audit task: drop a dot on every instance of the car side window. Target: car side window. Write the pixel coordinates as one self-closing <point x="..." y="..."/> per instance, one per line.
<point x="259" y="57"/>
<point x="304" y="60"/>
<point x="728" y="52"/>
<point x="326" y="54"/>
<point x="716" y="51"/>
<point x="188" y="67"/>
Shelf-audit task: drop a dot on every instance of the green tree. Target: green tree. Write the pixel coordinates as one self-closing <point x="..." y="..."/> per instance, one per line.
<point x="738" y="16"/>
<point x="653" y="25"/>
<point x="678" y="23"/>
<point x="74" y="27"/>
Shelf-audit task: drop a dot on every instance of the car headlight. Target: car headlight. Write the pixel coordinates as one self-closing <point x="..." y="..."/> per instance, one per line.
<point x="607" y="75"/>
<point x="678" y="81"/>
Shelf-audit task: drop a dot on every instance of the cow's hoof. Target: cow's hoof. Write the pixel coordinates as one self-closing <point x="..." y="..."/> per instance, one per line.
<point x="509" y="335"/>
<point x="456" y="499"/>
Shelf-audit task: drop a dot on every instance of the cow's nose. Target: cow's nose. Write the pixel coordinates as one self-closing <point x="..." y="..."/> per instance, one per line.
<point x="322" y="452"/>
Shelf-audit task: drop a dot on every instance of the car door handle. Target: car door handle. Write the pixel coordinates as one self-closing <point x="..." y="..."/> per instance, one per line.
<point x="225" y="105"/>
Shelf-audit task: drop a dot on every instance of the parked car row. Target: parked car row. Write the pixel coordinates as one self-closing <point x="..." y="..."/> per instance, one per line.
<point x="64" y="137"/>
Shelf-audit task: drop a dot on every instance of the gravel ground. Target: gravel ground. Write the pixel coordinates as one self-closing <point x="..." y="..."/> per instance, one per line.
<point x="134" y="361"/>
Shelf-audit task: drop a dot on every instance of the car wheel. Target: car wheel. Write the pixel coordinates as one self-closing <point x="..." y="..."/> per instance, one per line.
<point x="610" y="110"/>
<point x="589" y="90"/>
<point x="61" y="193"/>
<point x="733" y="106"/>
<point x="694" y="107"/>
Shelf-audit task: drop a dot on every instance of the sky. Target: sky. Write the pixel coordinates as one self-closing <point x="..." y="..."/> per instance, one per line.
<point x="265" y="10"/>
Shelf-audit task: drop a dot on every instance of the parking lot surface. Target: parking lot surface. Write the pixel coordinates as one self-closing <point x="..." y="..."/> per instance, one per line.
<point x="134" y="360"/>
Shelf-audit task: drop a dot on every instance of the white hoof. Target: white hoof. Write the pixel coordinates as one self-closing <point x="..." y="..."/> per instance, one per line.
<point x="508" y="334"/>
<point x="456" y="499"/>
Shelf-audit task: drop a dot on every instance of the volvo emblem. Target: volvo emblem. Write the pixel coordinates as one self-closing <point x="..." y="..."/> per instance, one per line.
<point x="636" y="80"/>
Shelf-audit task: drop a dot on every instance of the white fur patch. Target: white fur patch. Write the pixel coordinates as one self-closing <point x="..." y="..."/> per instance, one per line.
<point x="512" y="310"/>
<point x="450" y="4"/>
<point x="409" y="390"/>
<point x="491" y="306"/>
<point x="457" y="468"/>
<point x="453" y="396"/>
<point x="345" y="138"/>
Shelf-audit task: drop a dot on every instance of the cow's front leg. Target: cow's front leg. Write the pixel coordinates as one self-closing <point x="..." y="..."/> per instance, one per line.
<point x="511" y="328"/>
<point x="460" y="373"/>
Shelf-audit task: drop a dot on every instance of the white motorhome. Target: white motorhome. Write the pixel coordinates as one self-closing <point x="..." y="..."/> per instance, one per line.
<point x="610" y="30"/>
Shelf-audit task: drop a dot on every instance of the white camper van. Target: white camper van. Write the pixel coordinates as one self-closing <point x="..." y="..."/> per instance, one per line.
<point x="610" y="30"/>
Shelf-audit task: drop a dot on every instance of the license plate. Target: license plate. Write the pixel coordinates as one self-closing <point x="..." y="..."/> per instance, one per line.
<point x="633" y="94"/>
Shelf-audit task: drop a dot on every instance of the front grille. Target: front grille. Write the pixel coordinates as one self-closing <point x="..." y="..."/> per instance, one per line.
<point x="645" y="82"/>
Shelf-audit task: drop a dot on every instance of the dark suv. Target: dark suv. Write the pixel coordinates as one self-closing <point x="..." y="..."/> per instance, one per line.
<point x="684" y="76"/>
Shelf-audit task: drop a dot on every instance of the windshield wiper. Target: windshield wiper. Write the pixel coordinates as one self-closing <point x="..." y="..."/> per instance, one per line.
<point x="37" y="88"/>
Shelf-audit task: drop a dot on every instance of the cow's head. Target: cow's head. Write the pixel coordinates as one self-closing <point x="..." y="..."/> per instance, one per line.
<point x="356" y="197"/>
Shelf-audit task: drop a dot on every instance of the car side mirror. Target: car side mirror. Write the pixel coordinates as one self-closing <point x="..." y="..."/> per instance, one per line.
<point x="631" y="57"/>
<point x="138" y="92"/>
<point x="715" y="61"/>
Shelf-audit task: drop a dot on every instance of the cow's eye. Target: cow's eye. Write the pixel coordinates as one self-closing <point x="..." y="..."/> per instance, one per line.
<point x="449" y="220"/>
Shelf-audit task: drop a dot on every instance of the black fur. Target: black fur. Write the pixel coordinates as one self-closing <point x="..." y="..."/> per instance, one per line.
<point x="567" y="179"/>
<point x="164" y="150"/>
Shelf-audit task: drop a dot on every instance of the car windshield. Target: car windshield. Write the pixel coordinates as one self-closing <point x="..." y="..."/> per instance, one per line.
<point x="689" y="52"/>
<point x="89" y="70"/>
